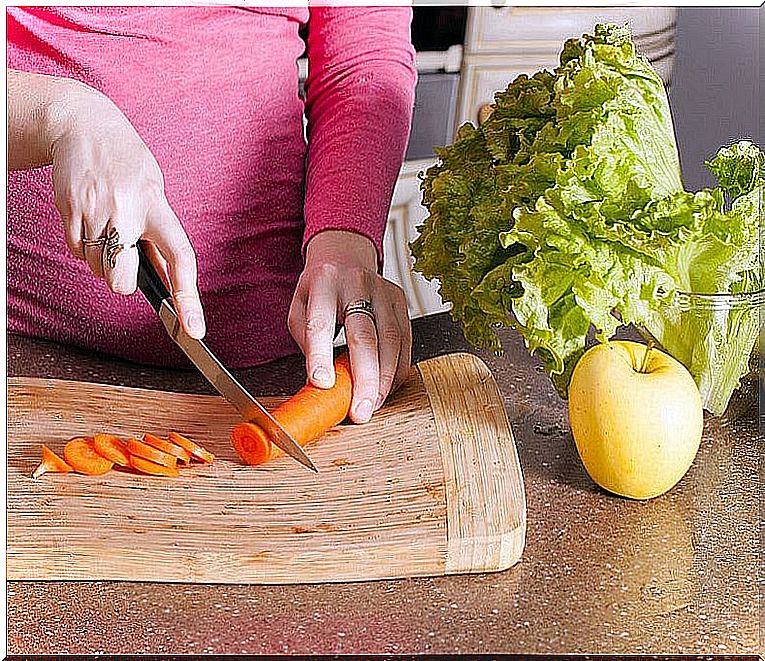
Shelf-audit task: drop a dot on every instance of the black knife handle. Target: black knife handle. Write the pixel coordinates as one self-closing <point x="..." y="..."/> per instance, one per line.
<point x="149" y="282"/>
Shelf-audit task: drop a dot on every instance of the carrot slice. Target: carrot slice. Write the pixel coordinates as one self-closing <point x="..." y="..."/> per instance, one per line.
<point x="152" y="468"/>
<point x="194" y="449"/>
<point x="145" y="451"/>
<point x="251" y="443"/>
<point x="51" y="463"/>
<point x="310" y="413"/>
<point x="80" y="453"/>
<point x="167" y="446"/>
<point x="111" y="448"/>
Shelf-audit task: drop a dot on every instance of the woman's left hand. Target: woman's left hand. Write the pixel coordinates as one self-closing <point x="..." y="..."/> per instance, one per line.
<point x="341" y="269"/>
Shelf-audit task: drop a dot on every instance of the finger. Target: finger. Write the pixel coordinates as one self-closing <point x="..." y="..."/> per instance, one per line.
<point x="120" y="261"/>
<point x="401" y="313"/>
<point x="73" y="233"/>
<point x="120" y="256"/>
<point x="390" y="342"/>
<point x="96" y="214"/>
<point x="159" y="262"/>
<point x="93" y="241"/>
<point x="362" y="346"/>
<point x="320" y="317"/>
<point x="94" y="252"/>
<point x="405" y="355"/>
<point x="165" y="230"/>
<point x="296" y="315"/>
<point x="71" y="217"/>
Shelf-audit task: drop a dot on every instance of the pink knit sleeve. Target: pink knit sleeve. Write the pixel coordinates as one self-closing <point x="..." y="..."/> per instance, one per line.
<point x="359" y="101"/>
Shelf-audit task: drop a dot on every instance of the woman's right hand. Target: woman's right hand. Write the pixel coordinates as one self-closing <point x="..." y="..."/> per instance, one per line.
<point x="105" y="178"/>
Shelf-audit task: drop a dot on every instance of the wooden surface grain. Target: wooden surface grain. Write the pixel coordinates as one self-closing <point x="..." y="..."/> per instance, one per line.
<point x="431" y="485"/>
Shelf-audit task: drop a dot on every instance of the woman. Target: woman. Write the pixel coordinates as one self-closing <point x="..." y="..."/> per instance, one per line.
<point x="183" y="127"/>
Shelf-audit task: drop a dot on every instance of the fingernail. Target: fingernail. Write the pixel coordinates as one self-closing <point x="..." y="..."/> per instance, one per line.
<point x="364" y="410"/>
<point x="195" y="325"/>
<point x="379" y="402"/>
<point x="321" y="377"/>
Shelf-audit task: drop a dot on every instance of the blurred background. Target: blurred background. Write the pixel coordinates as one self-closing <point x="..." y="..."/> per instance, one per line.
<point x="715" y="83"/>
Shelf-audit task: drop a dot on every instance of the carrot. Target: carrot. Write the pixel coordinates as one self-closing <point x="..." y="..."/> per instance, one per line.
<point x="145" y="451"/>
<point x="80" y="453"/>
<point x="166" y="446"/>
<point x="111" y="448"/>
<point x="307" y="415"/>
<point x="151" y="467"/>
<point x="194" y="449"/>
<point x="51" y="463"/>
<point x="251" y="443"/>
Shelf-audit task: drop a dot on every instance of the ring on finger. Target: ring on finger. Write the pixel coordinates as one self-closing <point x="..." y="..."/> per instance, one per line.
<point x="112" y="248"/>
<point x="94" y="243"/>
<point x="359" y="306"/>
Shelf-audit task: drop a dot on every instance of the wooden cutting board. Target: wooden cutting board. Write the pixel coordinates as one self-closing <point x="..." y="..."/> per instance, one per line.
<point x="432" y="485"/>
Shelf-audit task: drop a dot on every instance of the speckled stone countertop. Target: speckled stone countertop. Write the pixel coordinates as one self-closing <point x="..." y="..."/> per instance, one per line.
<point x="599" y="574"/>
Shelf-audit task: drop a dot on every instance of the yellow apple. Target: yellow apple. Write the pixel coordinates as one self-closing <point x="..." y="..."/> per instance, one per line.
<point x="636" y="416"/>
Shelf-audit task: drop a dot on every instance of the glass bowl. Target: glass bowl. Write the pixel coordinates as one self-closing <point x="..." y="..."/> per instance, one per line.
<point x="725" y="331"/>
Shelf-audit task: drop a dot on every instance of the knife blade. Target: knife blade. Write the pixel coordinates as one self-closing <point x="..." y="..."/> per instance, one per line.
<point x="155" y="291"/>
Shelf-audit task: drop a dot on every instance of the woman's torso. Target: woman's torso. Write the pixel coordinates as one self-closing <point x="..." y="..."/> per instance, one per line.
<point x="213" y="92"/>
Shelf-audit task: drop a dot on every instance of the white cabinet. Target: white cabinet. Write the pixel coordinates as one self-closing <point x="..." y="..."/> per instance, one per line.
<point x="501" y="43"/>
<point x="406" y="214"/>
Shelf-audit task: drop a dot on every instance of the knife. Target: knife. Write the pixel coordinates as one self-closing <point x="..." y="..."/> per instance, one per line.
<point x="155" y="291"/>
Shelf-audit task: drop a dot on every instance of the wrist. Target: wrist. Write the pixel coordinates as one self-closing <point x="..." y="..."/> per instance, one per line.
<point x="40" y="110"/>
<point x="342" y="246"/>
<point x="72" y="105"/>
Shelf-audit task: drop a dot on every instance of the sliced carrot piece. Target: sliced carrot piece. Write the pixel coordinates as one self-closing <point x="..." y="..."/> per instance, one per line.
<point x="145" y="451"/>
<point x="51" y="463"/>
<point x="80" y="453"/>
<point x="194" y="449"/>
<point x="251" y="443"/>
<point x="166" y="446"/>
<point x="152" y="468"/>
<point x="111" y="448"/>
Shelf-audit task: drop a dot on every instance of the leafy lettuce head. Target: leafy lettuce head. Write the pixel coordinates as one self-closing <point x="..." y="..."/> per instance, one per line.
<point x="565" y="211"/>
<point x="596" y="133"/>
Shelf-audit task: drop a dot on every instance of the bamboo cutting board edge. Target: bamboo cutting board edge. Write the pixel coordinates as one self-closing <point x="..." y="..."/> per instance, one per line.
<point x="481" y="465"/>
<point x="458" y="520"/>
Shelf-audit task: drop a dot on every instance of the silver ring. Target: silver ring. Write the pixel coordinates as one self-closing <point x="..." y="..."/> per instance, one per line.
<point x="112" y="248"/>
<point x="360" y="306"/>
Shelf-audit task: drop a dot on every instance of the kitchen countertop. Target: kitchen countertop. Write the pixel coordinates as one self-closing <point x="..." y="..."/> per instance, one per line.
<point x="599" y="574"/>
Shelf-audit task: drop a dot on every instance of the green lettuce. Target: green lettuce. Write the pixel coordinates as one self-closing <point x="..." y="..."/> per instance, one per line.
<point x="565" y="213"/>
<point x="717" y="340"/>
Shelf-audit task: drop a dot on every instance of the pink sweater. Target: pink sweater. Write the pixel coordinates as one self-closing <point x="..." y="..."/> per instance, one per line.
<point x="213" y="91"/>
